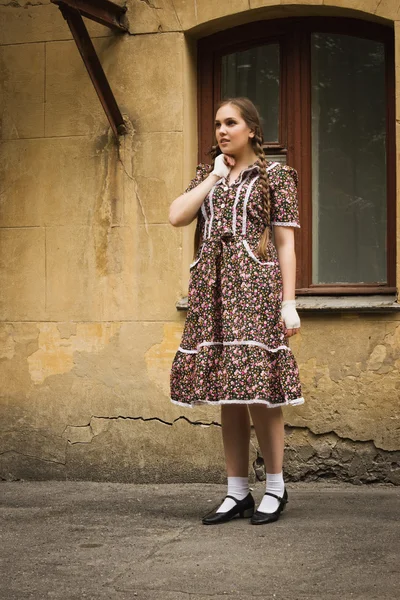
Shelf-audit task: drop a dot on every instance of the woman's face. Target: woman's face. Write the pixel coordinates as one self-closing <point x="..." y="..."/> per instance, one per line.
<point x="231" y="131"/>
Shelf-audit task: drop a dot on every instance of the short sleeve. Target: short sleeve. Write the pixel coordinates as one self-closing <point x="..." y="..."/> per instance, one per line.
<point x="202" y="171"/>
<point x="283" y="181"/>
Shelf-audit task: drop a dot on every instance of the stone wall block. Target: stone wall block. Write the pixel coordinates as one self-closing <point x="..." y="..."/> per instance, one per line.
<point x="57" y="181"/>
<point x="22" y="94"/>
<point x="71" y="284"/>
<point x="354" y="391"/>
<point x="26" y="23"/>
<point x="207" y="10"/>
<point x="17" y="467"/>
<point x="388" y="9"/>
<point x="72" y="105"/>
<point x="22" y="274"/>
<point x="21" y="196"/>
<point x="157" y="169"/>
<point x="36" y="443"/>
<point x="158" y="269"/>
<point x="186" y="12"/>
<point x="40" y="21"/>
<point x="120" y="289"/>
<point x="309" y="458"/>
<point x="262" y="3"/>
<point x="18" y="341"/>
<point x="309" y="2"/>
<point x="152" y="452"/>
<point x="145" y="74"/>
<point x="91" y="272"/>
<point x="367" y="6"/>
<point x="152" y="17"/>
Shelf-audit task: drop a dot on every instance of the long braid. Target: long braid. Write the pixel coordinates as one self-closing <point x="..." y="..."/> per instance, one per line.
<point x="258" y="149"/>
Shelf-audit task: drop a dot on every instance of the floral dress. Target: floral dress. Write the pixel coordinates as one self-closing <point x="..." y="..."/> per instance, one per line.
<point x="233" y="349"/>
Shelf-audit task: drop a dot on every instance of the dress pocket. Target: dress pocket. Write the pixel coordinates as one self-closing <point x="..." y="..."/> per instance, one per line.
<point x="255" y="258"/>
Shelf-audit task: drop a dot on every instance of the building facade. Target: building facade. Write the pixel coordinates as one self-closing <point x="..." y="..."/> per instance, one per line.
<point x="93" y="278"/>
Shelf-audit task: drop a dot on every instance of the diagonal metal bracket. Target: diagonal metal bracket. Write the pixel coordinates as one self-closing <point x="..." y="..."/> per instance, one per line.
<point x="109" y="14"/>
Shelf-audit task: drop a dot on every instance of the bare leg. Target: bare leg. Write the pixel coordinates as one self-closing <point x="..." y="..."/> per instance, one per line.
<point x="236" y="438"/>
<point x="269" y="428"/>
<point x="235" y="421"/>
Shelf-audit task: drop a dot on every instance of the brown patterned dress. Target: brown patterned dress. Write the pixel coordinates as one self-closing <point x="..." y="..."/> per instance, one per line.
<point x="233" y="348"/>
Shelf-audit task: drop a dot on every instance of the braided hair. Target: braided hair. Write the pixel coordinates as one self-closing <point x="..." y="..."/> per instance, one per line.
<point x="251" y="117"/>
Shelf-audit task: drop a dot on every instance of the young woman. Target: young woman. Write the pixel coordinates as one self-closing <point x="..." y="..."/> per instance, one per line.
<point x="242" y="309"/>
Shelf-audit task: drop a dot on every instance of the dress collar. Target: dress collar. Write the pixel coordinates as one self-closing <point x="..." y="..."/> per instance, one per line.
<point x="242" y="175"/>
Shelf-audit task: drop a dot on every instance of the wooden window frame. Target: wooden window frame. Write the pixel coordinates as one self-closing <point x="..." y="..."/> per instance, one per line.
<point x="294" y="36"/>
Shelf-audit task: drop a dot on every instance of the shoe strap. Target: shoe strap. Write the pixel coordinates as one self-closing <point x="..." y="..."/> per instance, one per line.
<point x="233" y="498"/>
<point x="274" y="496"/>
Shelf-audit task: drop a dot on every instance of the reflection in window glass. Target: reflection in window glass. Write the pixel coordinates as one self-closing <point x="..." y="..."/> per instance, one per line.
<point x="255" y="74"/>
<point x="348" y="160"/>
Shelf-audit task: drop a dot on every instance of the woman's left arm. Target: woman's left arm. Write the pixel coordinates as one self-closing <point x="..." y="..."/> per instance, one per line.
<point x="284" y="242"/>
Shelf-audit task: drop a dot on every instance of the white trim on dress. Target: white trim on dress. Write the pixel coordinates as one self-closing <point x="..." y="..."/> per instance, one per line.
<point x="294" y="402"/>
<point x="234" y="343"/>
<point x="285" y="224"/>
<point x="234" y="214"/>
<point x="194" y="263"/>
<point x="204" y="213"/>
<point x="211" y="212"/>
<point x="254" y="257"/>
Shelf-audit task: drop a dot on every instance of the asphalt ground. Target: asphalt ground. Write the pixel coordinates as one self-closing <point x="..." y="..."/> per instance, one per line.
<point x="109" y="541"/>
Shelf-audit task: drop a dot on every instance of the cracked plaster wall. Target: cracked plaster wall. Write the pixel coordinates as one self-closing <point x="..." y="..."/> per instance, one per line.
<point x="90" y="270"/>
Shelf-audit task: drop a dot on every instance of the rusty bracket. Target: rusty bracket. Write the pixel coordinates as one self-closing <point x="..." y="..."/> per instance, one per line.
<point x="109" y="14"/>
<point x="102" y="11"/>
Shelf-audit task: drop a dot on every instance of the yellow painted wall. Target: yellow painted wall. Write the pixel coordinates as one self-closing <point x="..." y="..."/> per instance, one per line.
<point x="90" y="270"/>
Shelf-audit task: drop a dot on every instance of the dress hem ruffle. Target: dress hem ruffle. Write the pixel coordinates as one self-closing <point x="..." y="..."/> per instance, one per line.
<point x="294" y="402"/>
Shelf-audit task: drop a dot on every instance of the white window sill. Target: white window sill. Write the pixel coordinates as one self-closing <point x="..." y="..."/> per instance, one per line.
<point x="374" y="303"/>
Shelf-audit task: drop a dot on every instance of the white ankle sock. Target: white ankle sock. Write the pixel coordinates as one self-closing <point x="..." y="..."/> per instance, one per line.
<point x="275" y="485"/>
<point x="238" y="487"/>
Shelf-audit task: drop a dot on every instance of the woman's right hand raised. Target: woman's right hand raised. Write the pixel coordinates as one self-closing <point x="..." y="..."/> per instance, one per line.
<point x="222" y="165"/>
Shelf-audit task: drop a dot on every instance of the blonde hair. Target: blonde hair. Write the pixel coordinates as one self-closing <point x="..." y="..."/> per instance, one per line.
<point x="250" y="115"/>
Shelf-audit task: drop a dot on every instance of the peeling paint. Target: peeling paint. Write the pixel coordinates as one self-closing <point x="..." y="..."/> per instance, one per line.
<point x="7" y="342"/>
<point x="160" y="356"/>
<point x="66" y="329"/>
<point x="56" y="353"/>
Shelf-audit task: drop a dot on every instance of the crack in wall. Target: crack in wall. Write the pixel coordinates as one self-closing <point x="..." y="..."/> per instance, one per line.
<point x="123" y="153"/>
<point x="48" y="460"/>
<point x="16" y="4"/>
<point x="130" y="418"/>
<point x="151" y="5"/>
<point x="339" y="437"/>
<point x="308" y="456"/>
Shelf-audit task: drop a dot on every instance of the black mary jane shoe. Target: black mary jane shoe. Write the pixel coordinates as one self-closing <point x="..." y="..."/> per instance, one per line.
<point x="259" y="518"/>
<point x="244" y="508"/>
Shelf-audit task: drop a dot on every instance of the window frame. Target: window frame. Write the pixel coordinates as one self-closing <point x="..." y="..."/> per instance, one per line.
<point x="294" y="36"/>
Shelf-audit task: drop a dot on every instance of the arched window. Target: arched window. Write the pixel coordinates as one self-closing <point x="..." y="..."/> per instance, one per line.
<point x="325" y="90"/>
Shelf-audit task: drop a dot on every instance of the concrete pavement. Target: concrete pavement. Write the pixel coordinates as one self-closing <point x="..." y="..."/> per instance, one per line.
<point x="100" y="541"/>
